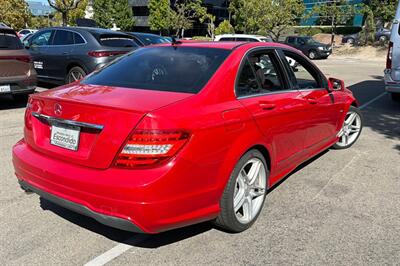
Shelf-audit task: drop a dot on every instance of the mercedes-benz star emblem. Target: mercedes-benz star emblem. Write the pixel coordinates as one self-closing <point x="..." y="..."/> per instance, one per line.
<point x="58" y="109"/>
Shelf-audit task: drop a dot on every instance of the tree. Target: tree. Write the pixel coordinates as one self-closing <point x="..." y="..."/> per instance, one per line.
<point x="235" y="14"/>
<point x="224" y="28"/>
<point x="64" y="7"/>
<point x="183" y="14"/>
<point x="368" y="32"/>
<point x="75" y="14"/>
<point x="336" y="12"/>
<point x="383" y="10"/>
<point x="118" y="12"/>
<point x="271" y="16"/>
<point x="160" y="15"/>
<point x="14" y="13"/>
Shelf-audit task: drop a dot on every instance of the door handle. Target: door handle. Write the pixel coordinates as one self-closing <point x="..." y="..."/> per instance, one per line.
<point x="312" y="100"/>
<point x="267" y="105"/>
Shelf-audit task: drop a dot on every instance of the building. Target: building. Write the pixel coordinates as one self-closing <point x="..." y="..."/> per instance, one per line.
<point x="219" y="8"/>
<point x="39" y="8"/>
<point x="356" y="21"/>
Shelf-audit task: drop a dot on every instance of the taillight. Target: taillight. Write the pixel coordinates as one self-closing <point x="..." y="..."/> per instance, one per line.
<point x="389" y="56"/>
<point x="23" y="58"/>
<point x="28" y="113"/>
<point x="146" y="148"/>
<point x="106" y="53"/>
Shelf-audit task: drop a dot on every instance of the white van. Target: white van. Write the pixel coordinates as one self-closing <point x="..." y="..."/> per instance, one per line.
<point x="392" y="71"/>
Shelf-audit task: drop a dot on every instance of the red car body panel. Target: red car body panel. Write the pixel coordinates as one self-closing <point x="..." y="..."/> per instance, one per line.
<point x="288" y="128"/>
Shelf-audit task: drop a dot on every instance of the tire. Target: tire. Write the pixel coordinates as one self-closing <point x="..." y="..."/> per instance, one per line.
<point x="237" y="189"/>
<point x="350" y="41"/>
<point x="382" y="39"/>
<point x="312" y="54"/>
<point x="395" y="97"/>
<point x="74" y="74"/>
<point x="351" y="129"/>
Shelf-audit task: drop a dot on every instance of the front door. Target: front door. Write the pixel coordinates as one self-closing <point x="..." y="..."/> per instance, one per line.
<point x="38" y="45"/>
<point x="278" y="111"/>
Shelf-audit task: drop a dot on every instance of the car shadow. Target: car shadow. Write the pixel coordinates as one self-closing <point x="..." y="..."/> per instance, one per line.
<point x="383" y="116"/>
<point x="8" y="102"/>
<point x="121" y="236"/>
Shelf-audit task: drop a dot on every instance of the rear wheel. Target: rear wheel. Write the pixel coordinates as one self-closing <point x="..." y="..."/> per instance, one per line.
<point x="395" y="97"/>
<point x="244" y="195"/>
<point x="351" y="129"/>
<point x="74" y="74"/>
<point x="350" y="41"/>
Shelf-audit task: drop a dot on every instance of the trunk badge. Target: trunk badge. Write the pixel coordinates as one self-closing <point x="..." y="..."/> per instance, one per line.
<point x="58" y="109"/>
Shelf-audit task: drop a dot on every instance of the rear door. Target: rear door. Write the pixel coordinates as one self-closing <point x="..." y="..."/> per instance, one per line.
<point x="59" y="54"/>
<point x="38" y="47"/>
<point x="279" y="110"/>
<point x="323" y="111"/>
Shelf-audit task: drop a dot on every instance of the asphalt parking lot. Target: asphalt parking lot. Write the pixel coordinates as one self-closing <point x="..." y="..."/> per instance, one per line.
<point x="340" y="208"/>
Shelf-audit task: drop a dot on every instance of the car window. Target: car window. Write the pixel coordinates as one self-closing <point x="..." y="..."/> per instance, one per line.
<point x="241" y="39"/>
<point x="226" y="39"/>
<point x="167" y="68"/>
<point x="23" y="32"/>
<point x="42" y="38"/>
<point x="78" y="39"/>
<point x="305" y="74"/>
<point x="116" y="41"/>
<point x="63" y="37"/>
<point x="260" y="74"/>
<point x="9" y="41"/>
<point x="291" y="40"/>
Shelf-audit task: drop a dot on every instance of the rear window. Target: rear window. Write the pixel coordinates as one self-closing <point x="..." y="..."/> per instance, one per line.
<point x="149" y="39"/>
<point x="168" y="68"/>
<point x="9" y="41"/>
<point x="116" y="41"/>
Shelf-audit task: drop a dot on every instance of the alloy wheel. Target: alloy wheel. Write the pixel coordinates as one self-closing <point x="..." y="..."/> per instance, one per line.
<point x="351" y="129"/>
<point x="249" y="191"/>
<point x="75" y="75"/>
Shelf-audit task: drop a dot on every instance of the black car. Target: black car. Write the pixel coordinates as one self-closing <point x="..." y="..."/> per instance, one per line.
<point x="144" y="39"/>
<point x="309" y="46"/>
<point x="66" y="54"/>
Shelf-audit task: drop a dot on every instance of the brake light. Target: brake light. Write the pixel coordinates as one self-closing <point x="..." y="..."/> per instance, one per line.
<point x="106" y="53"/>
<point x="389" y="56"/>
<point x="151" y="147"/>
<point x="22" y="58"/>
<point x="28" y="114"/>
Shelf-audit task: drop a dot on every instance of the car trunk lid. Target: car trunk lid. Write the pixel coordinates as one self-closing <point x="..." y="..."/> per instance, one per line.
<point x="103" y="117"/>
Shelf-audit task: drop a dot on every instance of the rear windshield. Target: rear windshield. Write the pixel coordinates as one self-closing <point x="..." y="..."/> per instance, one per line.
<point x="116" y="41"/>
<point x="150" y="39"/>
<point x="9" y="41"/>
<point x="167" y="68"/>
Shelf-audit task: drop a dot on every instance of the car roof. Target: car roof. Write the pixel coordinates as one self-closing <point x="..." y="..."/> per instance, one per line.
<point x="4" y="27"/>
<point x="87" y="29"/>
<point x="227" y="45"/>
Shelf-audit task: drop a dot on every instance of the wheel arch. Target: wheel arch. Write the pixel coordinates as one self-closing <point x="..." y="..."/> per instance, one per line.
<point x="264" y="151"/>
<point x="72" y="64"/>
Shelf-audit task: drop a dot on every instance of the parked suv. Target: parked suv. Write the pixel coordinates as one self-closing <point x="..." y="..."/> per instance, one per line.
<point x="17" y="75"/>
<point x="392" y="71"/>
<point x="66" y="54"/>
<point x="309" y="46"/>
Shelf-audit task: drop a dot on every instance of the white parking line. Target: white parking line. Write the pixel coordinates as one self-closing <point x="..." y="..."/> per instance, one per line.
<point x="116" y="251"/>
<point x="373" y="100"/>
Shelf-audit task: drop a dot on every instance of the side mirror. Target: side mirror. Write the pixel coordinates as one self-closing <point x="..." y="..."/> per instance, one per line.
<point x="336" y="84"/>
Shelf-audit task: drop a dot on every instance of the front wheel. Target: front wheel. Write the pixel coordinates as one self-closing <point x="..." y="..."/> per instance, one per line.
<point x="74" y="74"/>
<point x="351" y="129"/>
<point x="312" y="54"/>
<point x="244" y="195"/>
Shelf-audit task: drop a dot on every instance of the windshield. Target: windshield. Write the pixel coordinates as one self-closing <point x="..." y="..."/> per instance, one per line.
<point x="309" y="40"/>
<point x="167" y="68"/>
<point x="151" y="39"/>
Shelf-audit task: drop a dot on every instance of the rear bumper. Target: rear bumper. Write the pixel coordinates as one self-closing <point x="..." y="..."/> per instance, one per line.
<point x="101" y="218"/>
<point x="148" y="201"/>
<point x="20" y="85"/>
<point x="391" y="85"/>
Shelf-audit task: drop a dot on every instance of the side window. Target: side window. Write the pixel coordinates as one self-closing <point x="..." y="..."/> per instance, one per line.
<point x="78" y="39"/>
<point x="63" y="37"/>
<point x="227" y="39"/>
<point x="305" y="74"/>
<point x="260" y="74"/>
<point x="290" y="40"/>
<point x="43" y="38"/>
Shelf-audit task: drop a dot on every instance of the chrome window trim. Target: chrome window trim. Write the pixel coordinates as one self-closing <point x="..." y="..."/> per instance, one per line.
<point x="53" y="120"/>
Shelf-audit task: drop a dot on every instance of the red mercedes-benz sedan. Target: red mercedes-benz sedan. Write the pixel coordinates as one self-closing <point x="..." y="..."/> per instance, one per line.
<point x="177" y="134"/>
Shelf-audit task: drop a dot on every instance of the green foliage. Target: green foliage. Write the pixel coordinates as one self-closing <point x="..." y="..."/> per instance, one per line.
<point x="14" y="13"/>
<point x="107" y="12"/>
<point x="270" y="16"/>
<point x="160" y="15"/>
<point x="235" y="7"/>
<point x="384" y="10"/>
<point x="224" y="28"/>
<point x="65" y="7"/>
<point x="367" y="35"/>
<point x="74" y="14"/>
<point x="184" y="12"/>
<point x="42" y="22"/>
<point x="308" y="31"/>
